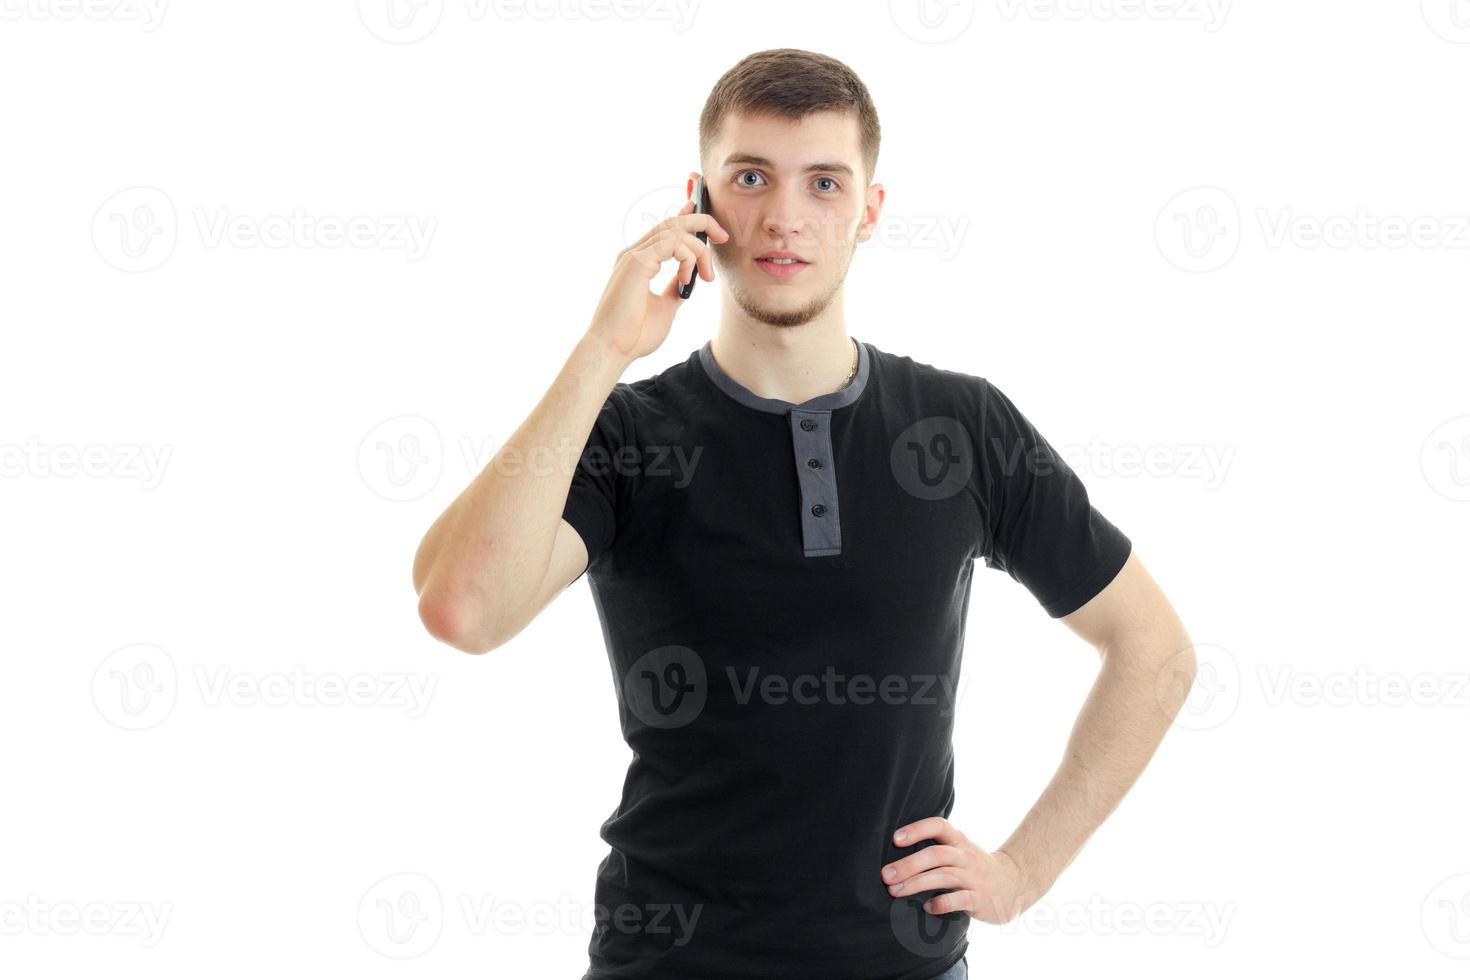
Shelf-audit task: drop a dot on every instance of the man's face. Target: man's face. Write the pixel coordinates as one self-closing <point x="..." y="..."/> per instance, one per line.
<point x="796" y="187"/>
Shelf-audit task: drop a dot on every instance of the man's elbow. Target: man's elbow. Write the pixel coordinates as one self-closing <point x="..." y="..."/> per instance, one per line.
<point x="452" y="623"/>
<point x="1168" y="660"/>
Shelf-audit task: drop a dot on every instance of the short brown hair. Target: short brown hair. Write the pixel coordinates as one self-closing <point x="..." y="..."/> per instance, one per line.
<point x="791" y="83"/>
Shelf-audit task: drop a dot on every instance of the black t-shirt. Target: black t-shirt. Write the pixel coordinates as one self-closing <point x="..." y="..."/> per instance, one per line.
<point x="783" y="592"/>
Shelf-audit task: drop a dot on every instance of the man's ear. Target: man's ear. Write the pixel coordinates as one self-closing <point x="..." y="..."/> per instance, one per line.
<point x="871" y="210"/>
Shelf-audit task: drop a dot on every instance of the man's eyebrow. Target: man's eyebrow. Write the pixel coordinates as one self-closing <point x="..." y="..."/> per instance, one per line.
<point x="834" y="166"/>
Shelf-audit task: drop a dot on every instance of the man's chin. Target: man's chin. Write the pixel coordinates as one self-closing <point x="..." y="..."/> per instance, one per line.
<point x="794" y="312"/>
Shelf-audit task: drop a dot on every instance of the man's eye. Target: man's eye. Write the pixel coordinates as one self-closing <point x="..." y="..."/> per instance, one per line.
<point x="754" y="176"/>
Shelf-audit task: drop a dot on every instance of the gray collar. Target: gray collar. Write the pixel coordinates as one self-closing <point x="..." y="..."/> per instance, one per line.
<point x="743" y="395"/>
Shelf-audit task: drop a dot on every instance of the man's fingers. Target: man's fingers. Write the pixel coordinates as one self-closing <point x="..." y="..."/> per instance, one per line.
<point x="653" y="254"/>
<point x="686" y="251"/>
<point x="942" y="877"/>
<point x="933" y="856"/>
<point x="686" y="222"/>
<point x="706" y="223"/>
<point x="930" y="828"/>
<point x="959" y="901"/>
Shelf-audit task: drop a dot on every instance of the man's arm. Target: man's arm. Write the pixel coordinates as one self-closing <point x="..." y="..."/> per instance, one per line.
<point x="1129" y="709"/>
<point x="501" y="550"/>
<point x="1122" y="722"/>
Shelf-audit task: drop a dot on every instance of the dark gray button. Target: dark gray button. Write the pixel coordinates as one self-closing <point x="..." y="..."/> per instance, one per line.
<point x="814" y="463"/>
<point x="818" y="510"/>
<point x="808" y="424"/>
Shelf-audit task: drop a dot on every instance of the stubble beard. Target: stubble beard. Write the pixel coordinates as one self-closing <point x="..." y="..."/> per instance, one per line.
<point x="751" y="306"/>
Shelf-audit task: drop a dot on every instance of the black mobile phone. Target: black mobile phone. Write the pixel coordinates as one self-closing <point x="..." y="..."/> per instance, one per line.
<point x="701" y="206"/>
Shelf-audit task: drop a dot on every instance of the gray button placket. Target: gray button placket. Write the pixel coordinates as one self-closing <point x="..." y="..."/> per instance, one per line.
<point x="811" y="444"/>
<point x="816" y="471"/>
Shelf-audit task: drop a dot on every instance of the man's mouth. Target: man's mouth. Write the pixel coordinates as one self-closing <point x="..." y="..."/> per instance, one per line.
<point x="781" y="266"/>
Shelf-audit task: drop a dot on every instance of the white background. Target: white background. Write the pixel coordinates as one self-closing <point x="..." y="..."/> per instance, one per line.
<point x="1107" y="209"/>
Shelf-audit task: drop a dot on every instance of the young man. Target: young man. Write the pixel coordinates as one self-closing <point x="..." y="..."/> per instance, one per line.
<point x="779" y="533"/>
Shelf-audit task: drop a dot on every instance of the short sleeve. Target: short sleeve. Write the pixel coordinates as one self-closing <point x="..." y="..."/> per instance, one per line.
<point x="1042" y="528"/>
<point x="591" y="506"/>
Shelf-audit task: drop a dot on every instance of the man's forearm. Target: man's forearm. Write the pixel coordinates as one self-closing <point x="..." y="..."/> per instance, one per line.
<point x="1124" y="719"/>
<point x="490" y="545"/>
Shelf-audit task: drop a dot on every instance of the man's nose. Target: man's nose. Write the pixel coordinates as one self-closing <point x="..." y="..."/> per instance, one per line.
<point x="784" y="216"/>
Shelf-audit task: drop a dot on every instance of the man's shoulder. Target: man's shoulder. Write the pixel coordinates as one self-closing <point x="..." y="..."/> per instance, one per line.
<point x="654" y="392"/>
<point x="905" y="372"/>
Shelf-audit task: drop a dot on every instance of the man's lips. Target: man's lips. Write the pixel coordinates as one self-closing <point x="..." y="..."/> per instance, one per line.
<point x="781" y="270"/>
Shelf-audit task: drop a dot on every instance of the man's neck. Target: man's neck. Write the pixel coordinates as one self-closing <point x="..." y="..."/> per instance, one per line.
<point x="794" y="364"/>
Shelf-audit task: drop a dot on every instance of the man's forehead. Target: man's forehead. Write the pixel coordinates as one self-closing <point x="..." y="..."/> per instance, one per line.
<point x="766" y="140"/>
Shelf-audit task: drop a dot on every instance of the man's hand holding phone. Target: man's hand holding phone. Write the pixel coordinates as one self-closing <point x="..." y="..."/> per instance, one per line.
<point x="631" y="319"/>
